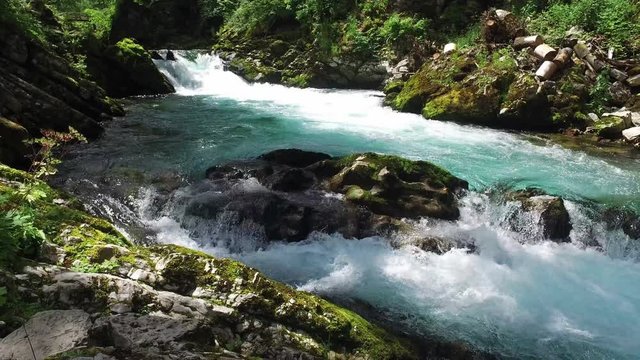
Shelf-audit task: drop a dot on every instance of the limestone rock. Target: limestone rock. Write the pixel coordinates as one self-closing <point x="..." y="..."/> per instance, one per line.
<point x="632" y="134"/>
<point x="50" y="333"/>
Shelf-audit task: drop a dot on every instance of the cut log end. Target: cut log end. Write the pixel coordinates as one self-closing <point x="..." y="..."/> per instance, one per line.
<point x="545" y="52"/>
<point x="547" y="70"/>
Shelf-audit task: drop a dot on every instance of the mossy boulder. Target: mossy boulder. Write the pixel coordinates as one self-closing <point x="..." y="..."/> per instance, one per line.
<point x="609" y="127"/>
<point x="126" y="69"/>
<point x="392" y="186"/>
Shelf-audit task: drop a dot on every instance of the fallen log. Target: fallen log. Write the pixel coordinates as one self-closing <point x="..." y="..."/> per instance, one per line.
<point x="545" y="52"/>
<point x="547" y="70"/>
<point x="563" y="57"/>
<point x="522" y="42"/>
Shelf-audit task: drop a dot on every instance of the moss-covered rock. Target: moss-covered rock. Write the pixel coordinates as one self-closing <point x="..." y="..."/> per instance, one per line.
<point x="609" y="127"/>
<point x="496" y="89"/>
<point x="392" y="186"/>
<point x="126" y="69"/>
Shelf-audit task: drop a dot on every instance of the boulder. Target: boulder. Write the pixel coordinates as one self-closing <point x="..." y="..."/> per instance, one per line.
<point x="632" y="134"/>
<point x="634" y="81"/>
<point x="370" y="194"/>
<point x="620" y="93"/>
<point x="126" y="69"/>
<point x="392" y="186"/>
<point x="49" y="332"/>
<point x="609" y="127"/>
<point x="45" y="91"/>
<point x="548" y="212"/>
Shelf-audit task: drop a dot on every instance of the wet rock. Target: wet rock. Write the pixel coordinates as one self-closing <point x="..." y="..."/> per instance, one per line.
<point x="294" y="157"/>
<point x="49" y="332"/>
<point x="156" y="56"/>
<point x="551" y="214"/>
<point x="371" y="194"/>
<point x="626" y="220"/>
<point x="171" y="56"/>
<point x="392" y="186"/>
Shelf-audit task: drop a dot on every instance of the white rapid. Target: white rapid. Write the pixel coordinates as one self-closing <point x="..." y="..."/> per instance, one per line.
<point x="517" y="295"/>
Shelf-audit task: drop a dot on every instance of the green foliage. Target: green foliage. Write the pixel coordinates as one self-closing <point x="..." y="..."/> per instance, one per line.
<point x="258" y="16"/>
<point x="399" y="29"/>
<point x="617" y="20"/>
<point x="129" y="49"/>
<point x="19" y="236"/>
<point x="599" y="93"/>
<point x="17" y="13"/>
<point x="45" y="161"/>
<point x="469" y="38"/>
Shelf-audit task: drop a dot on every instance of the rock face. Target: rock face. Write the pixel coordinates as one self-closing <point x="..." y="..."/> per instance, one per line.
<point x="165" y="23"/>
<point x="40" y="90"/>
<point x="50" y="333"/>
<point x="285" y="192"/>
<point x="126" y="69"/>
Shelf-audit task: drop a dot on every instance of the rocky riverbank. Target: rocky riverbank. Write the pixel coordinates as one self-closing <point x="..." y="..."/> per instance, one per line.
<point x="97" y="293"/>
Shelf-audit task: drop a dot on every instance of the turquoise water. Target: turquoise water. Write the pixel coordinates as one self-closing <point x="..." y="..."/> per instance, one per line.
<point x="515" y="297"/>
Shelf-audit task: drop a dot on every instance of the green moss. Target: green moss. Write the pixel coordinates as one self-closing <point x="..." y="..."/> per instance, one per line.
<point x="407" y="170"/>
<point x="299" y="81"/>
<point x="130" y="51"/>
<point x="609" y="127"/>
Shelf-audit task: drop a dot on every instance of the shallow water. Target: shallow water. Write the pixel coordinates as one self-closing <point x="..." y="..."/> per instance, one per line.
<point x="518" y="295"/>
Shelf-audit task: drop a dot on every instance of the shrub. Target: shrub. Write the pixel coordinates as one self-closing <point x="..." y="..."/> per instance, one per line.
<point x="617" y="20"/>
<point x="17" y="13"/>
